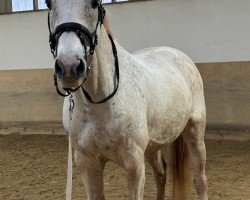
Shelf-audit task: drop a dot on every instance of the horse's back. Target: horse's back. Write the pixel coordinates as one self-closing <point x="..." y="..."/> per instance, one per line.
<point x="173" y="86"/>
<point x="171" y="63"/>
<point x="170" y="58"/>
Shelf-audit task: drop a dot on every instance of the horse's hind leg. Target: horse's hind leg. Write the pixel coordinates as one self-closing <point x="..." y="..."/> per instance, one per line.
<point x="159" y="166"/>
<point x="194" y="137"/>
<point x="92" y="175"/>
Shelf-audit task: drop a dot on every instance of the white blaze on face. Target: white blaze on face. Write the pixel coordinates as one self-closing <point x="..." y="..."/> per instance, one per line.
<point x="70" y="45"/>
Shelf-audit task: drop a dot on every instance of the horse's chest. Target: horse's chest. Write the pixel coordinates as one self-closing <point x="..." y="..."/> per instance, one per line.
<point x="96" y="140"/>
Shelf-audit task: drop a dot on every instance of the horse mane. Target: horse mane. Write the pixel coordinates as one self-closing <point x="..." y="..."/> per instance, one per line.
<point x="106" y="25"/>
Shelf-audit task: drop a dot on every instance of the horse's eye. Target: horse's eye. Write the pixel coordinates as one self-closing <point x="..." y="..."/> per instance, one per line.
<point x="95" y="4"/>
<point x="48" y="2"/>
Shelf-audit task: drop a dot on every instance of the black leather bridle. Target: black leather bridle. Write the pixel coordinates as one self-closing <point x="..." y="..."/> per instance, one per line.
<point x="87" y="39"/>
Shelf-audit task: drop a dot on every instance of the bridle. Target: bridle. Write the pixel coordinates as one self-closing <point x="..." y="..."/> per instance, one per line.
<point x="87" y="39"/>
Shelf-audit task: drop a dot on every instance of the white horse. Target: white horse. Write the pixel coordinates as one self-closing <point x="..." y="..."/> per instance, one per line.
<point x="160" y="101"/>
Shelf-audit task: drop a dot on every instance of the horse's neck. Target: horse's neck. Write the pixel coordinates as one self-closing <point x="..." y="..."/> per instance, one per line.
<point x="102" y="79"/>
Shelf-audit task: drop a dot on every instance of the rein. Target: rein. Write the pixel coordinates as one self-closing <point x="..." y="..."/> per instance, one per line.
<point x="87" y="39"/>
<point x="117" y="78"/>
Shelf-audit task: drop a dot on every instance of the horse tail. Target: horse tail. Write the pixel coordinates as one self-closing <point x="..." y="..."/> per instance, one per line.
<point x="180" y="168"/>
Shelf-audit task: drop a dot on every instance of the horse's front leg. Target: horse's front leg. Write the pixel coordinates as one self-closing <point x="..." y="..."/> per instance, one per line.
<point x="92" y="175"/>
<point x="135" y="171"/>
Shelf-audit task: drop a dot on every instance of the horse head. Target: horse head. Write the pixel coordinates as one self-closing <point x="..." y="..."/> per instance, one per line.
<point x="73" y="27"/>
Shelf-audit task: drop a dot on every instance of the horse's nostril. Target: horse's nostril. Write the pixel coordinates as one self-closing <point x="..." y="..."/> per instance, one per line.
<point x="59" y="68"/>
<point x="79" y="70"/>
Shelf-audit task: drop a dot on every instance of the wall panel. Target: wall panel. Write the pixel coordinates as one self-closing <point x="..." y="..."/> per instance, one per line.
<point x="207" y="30"/>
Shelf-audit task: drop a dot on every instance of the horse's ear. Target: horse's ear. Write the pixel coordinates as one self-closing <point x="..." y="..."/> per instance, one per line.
<point x="95" y="3"/>
<point x="102" y="12"/>
<point x="48" y="2"/>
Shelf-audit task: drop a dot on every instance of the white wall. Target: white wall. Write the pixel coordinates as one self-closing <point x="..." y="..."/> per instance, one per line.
<point x="207" y="30"/>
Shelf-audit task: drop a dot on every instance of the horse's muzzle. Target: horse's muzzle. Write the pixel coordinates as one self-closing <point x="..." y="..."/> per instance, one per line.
<point x="72" y="70"/>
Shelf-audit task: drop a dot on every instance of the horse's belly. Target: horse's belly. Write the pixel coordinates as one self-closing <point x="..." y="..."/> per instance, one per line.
<point x="166" y="132"/>
<point x="167" y="117"/>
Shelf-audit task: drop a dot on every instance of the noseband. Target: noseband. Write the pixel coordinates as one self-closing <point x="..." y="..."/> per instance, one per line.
<point x="89" y="41"/>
